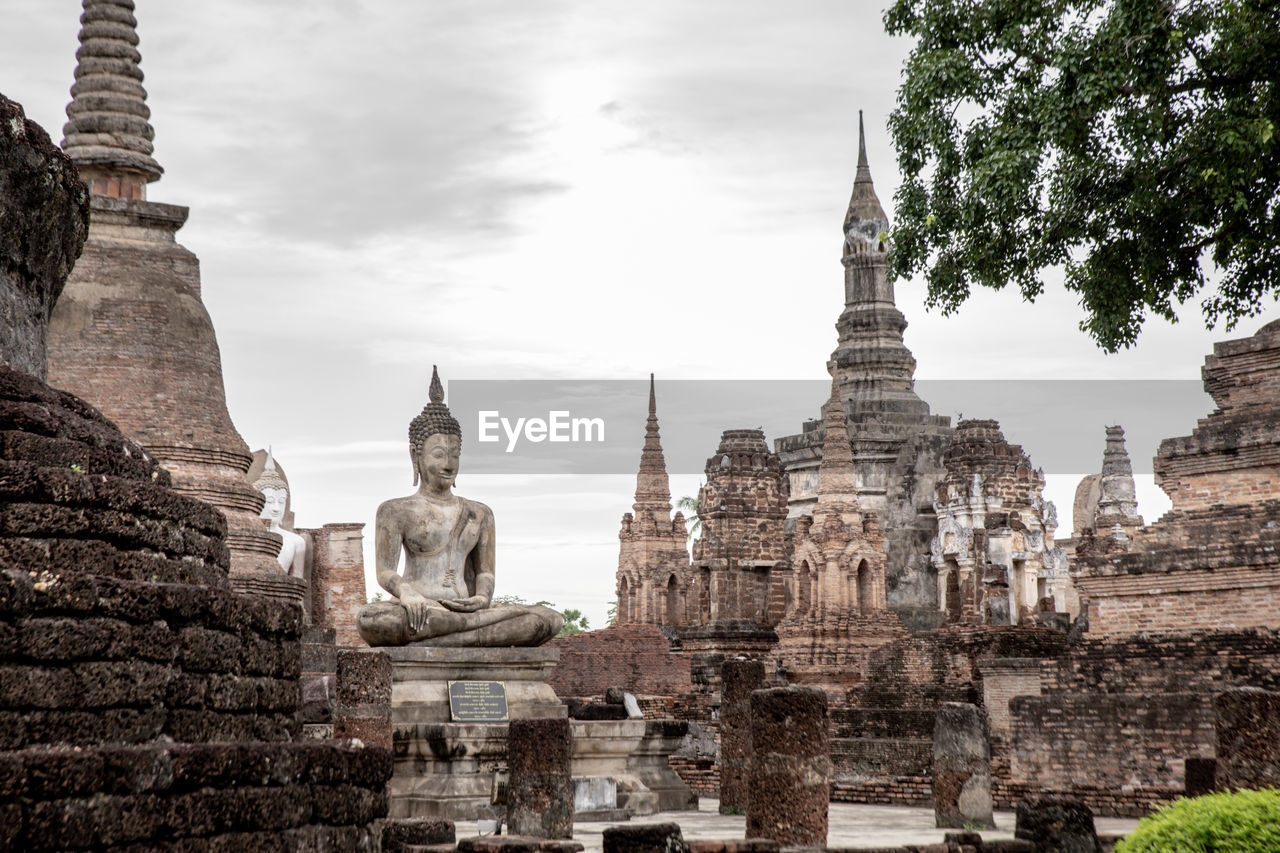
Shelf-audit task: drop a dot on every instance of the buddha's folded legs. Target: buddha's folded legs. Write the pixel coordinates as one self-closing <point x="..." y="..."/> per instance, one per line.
<point x="386" y="623"/>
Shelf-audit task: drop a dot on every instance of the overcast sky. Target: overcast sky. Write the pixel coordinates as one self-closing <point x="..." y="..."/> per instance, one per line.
<point x="536" y="189"/>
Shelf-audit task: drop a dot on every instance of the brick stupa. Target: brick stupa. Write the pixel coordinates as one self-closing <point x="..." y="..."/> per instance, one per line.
<point x="130" y="333"/>
<point x="143" y="704"/>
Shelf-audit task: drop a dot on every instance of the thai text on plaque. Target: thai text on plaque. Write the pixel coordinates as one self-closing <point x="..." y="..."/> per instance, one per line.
<point x="478" y="702"/>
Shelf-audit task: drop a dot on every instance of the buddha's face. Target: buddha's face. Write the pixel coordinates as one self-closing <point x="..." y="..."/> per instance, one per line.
<point x="275" y="501"/>
<point x="438" y="461"/>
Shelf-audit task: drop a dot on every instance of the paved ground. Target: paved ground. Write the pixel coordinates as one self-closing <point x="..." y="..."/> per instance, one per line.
<point x="850" y="825"/>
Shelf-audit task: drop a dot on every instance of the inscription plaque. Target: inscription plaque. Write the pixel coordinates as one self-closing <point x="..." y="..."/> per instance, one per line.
<point x="478" y="701"/>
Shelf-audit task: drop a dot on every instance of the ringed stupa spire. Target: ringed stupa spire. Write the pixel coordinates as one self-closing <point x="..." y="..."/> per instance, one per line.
<point x="653" y="488"/>
<point x="108" y="134"/>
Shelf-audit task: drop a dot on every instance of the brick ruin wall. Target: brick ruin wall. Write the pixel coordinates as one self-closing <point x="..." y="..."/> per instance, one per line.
<point x="1118" y="716"/>
<point x="1215" y="568"/>
<point x="635" y="657"/>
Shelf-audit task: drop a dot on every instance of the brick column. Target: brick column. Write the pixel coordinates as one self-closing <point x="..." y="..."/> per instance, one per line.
<point x="790" y="767"/>
<point x="961" y="768"/>
<point x="737" y="679"/>
<point x="539" y="788"/>
<point x="364" y="697"/>
<point x="337" y="580"/>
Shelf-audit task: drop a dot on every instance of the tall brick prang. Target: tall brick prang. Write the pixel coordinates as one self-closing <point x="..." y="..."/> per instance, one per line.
<point x="130" y="333"/>
<point x="740" y="572"/>
<point x="838" y="609"/>
<point x="653" y="562"/>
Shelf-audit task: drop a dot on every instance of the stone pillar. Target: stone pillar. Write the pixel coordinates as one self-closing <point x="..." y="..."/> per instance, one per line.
<point x="539" y="787"/>
<point x="337" y="580"/>
<point x="961" y="767"/>
<point x="790" y="767"/>
<point x="738" y="678"/>
<point x="364" y="697"/>
<point x="1248" y="729"/>
<point x="1057" y="825"/>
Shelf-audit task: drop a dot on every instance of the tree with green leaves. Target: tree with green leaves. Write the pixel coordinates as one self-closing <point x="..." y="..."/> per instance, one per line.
<point x="689" y="506"/>
<point x="575" y="621"/>
<point x="1130" y="142"/>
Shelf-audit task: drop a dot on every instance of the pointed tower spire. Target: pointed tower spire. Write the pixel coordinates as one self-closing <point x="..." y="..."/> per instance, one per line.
<point x="108" y="134"/>
<point x="864" y="168"/>
<point x="866" y="217"/>
<point x="837" y="477"/>
<point x="653" y="489"/>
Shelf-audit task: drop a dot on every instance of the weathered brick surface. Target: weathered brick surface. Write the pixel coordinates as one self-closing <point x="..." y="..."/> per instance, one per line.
<point x="337" y="580"/>
<point x="790" y="768"/>
<point x="44" y="219"/>
<point x="1247" y="723"/>
<point x="637" y="657"/>
<point x="740" y="678"/>
<point x="1214" y="560"/>
<point x="363" y="707"/>
<point x="740" y="569"/>
<point x="961" y="767"/>
<point x="539" y="789"/>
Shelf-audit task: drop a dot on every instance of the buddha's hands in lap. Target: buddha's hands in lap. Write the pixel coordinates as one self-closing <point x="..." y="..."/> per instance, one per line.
<point x="466" y="605"/>
<point x="415" y="604"/>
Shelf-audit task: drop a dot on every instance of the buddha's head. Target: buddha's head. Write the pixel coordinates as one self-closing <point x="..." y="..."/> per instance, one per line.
<point x="274" y="490"/>
<point x="435" y="441"/>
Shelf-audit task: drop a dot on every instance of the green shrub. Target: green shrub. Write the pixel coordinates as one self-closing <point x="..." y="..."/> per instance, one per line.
<point x="1240" y="822"/>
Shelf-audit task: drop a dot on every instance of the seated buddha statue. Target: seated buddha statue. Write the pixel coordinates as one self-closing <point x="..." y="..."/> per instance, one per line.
<point x="275" y="494"/>
<point x="444" y="596"/>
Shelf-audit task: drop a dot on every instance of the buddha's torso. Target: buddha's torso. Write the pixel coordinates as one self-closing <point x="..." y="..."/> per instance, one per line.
<point x="437" y="537"/>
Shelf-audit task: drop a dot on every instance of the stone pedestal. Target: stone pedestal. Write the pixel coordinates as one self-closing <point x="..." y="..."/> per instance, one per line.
<point x="633" y="755"/>
<point x="445" y="769"/>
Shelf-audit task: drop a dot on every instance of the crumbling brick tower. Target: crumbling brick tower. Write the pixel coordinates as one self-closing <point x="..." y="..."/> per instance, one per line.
<point x="994" y="551"/>
<point x="836" y="609"/>
<point x="1212" y="560"/>
<point x="740" y="573"/>
<point x="653" y="563"/>
<point x="897" y="444"/>
<point x="130" y="334"/>
<point x="143" y="704"/>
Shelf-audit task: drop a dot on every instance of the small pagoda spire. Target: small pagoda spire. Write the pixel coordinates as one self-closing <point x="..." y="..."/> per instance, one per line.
<point x="1118" y="502"/>
<point x="864" y="204"/>
<point x="108" y="134"/>
<point x="653" y="489"/>
<point x="837" y="476"/>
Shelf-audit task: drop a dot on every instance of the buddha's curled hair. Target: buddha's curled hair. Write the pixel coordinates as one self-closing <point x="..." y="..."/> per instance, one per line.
<point x="435" y="419"/>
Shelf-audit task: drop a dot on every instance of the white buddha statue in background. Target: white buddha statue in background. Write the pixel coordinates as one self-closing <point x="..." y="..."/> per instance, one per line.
<point x="293" y="553"/>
